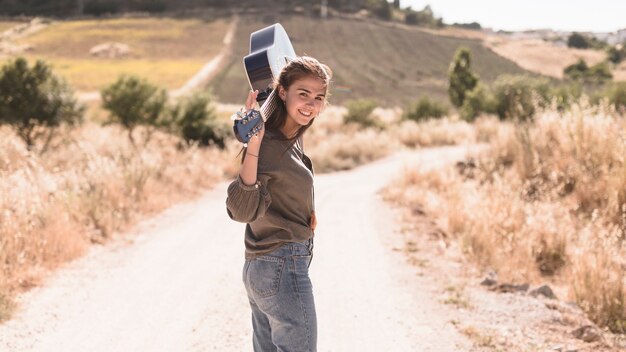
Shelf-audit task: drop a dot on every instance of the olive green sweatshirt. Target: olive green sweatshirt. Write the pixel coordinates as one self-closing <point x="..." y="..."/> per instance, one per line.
<point x="278" y="208"/>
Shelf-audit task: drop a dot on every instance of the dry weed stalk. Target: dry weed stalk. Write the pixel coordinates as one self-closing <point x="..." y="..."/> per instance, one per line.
<point x="548" y="202"/>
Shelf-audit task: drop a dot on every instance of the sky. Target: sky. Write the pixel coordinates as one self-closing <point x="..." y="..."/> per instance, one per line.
<point x="516" y="15"/>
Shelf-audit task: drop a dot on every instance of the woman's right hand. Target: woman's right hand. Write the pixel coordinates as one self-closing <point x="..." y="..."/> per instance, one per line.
<point x="250" y="104"/>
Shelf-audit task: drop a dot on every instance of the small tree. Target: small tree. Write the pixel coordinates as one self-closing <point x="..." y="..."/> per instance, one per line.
<point x="425" y="108"/>
<point x="478" y="100"/>
<point x="196" y="121"/>
<point x="132" y="102"/>
<point x="34" y="102"/>
<point x="577" y="40"/>
<point x="461" y="77"/>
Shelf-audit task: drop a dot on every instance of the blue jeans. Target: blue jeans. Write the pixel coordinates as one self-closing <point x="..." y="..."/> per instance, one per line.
<point x="281" y="297"/>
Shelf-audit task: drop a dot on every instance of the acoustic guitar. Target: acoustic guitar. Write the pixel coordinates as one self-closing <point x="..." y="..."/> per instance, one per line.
<point x="270" y="50"/>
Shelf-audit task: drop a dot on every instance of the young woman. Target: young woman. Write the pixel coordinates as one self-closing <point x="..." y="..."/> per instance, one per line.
<point x="273" y="195"/>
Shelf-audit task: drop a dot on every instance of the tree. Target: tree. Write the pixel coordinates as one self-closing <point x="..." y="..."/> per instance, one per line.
<point x="461" y="77"/>
<point x="196" y="121"/>
<point x="132" y="102"/>
<point x="577" y="40"/>
<point x="34" y="102"/>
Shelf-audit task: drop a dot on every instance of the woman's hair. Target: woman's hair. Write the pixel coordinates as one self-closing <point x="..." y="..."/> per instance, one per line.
<point x="296" y="69"/>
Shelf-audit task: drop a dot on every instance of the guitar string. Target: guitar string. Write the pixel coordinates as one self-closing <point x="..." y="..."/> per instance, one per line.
<point x="268" y="106"/>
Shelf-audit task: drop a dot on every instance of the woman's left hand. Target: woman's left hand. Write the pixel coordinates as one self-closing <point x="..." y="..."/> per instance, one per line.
<point x="313" y="221"/>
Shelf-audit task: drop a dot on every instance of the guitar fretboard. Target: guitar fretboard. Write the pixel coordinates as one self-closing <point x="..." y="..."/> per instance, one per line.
<point x="269" y="105"/>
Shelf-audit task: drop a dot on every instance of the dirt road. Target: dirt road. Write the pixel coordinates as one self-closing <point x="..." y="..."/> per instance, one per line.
<point x="176" y="284"/>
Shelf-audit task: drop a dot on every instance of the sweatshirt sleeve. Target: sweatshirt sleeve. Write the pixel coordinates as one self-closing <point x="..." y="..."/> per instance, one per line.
<point x="246" y="203"/>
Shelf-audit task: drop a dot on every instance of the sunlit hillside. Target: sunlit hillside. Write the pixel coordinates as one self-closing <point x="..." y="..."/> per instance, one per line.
<point x="167" y="51"/>
<point x="393" y="64"/>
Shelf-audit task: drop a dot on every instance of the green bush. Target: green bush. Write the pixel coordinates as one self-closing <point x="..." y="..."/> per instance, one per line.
<point x="132" y="101"/>
<point x="478" y="100"/>
<point x="461" y="77"/>
<point x="196" y="121"/>
<point x="576" y="71"/>
<point x="617" y="96"/>
<point x="425" y="108"/>
<point x="424" y="17"/>
<point x="615" y="54"/>
<point x="596" y="74"/>
<point x="566" y="94"/>
<point x="34" y="102"/>
<point x="579" y="41"/>
<point x="517" y="96"/>
<point x="360" y="112"/>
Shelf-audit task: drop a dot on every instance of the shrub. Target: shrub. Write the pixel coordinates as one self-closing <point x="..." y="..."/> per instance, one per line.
<point x="616" y="54"/>
<point x="577" y="40"/>
<point x="425" y="108"/>
<point x="576" y="71"/>
<point x="132" y="102"/>
<point x="477" y="101"/>
<point x="517" y="96"/>
<point x="596" y="74"/>
<point x="461" y="77"/>
<point x="360" y="112"/>
<point x="34" y="102"/>
<point x="196" y="121"/>
<point x="617" y="96"/>
<point x="565" y="95"/>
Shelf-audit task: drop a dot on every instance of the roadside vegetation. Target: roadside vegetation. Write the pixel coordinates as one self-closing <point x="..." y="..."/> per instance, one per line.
<point x="545" y="201"/>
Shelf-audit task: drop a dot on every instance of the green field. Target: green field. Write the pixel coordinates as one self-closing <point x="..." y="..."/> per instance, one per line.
<point x="391" y="64"/>
<point x="166" y="51"/>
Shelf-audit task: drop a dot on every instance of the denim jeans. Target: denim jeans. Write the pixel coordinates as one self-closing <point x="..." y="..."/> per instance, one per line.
<point x="281" y="297"/>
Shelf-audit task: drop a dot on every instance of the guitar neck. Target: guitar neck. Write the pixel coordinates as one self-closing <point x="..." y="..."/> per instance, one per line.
<point x="269" y="105"/>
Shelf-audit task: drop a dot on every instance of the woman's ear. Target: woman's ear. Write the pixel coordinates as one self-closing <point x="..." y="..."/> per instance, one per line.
<point x="282" y="93"/>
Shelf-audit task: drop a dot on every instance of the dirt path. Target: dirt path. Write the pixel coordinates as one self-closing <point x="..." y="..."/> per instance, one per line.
<point x="176" y="285"/>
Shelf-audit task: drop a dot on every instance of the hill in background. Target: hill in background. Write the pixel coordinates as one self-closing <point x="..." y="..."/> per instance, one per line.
<point x="392" y="63"/>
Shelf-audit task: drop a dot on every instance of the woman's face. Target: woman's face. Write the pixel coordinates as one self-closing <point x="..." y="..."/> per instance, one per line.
<point x="304" y="99"/>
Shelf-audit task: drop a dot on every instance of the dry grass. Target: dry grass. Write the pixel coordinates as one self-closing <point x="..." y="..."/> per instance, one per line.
<point x="547" y="202"/>
<point x="334" y="146"/>
<point x="541" y="56"/>
<point x="167" y="51"/>
<point x="5" y="25"/>
<point x="92" y="186"/>
<point x="434" y="132"/>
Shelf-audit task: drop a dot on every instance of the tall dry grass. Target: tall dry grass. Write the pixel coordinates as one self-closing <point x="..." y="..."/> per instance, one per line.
<point x="334" y="145"/>
<point x="93" y="185"/>
<point x="546" y="202"/>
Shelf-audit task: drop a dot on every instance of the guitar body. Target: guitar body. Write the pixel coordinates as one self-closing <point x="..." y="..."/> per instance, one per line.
<point x="270" y="50"/>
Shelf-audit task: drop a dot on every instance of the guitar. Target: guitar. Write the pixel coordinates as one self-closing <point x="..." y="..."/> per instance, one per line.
<point x="270" y="50"/>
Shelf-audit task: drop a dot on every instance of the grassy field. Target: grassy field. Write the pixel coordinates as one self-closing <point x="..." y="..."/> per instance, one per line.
<point x="167" y="51"/>
<point x="394" y="65"/>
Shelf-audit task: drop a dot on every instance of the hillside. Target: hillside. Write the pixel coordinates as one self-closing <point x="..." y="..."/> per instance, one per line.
<point x="393" y="64"/>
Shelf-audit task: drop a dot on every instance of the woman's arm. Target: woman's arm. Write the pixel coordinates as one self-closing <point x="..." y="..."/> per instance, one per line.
<point x="249" y="167"/>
